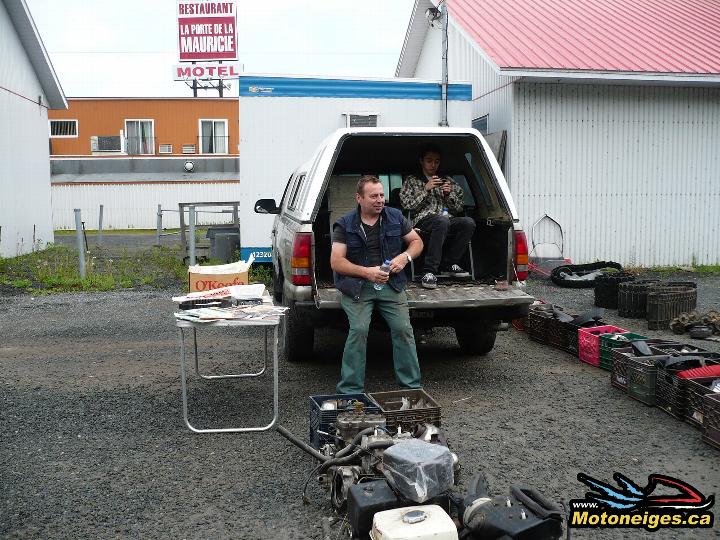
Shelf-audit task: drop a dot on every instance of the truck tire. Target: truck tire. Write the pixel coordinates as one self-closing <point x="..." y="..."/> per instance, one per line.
<point x="475" y="340"/>
<point x="296" y="338"/>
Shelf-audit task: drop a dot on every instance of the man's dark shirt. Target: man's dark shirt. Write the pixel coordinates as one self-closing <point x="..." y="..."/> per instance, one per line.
<point x="372" y="237"/>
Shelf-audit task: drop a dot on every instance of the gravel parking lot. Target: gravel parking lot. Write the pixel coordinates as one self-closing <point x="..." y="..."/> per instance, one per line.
<point x="94" y="446"/>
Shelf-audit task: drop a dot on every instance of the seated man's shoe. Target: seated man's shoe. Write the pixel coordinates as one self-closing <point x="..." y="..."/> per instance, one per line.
<point x="429" y="281"/>
<point x="455" y="271"/>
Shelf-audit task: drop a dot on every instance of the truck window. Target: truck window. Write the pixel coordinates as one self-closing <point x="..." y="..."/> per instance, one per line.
<point x="296" y="191"/>
<point x="284" y="195"/>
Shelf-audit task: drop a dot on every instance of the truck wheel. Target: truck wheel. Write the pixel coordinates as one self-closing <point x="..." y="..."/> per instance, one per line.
<point x="296" y="340"/>
<point x="474" y="340"/>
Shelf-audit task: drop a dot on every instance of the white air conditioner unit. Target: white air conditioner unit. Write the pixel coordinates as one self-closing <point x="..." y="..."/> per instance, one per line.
<point x="165" y="149"/>
<point x="188" y="148"/>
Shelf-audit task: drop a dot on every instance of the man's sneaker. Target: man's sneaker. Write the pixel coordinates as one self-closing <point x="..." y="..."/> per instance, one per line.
<point x="429" y="281"/>
<point x="455" y="271"/>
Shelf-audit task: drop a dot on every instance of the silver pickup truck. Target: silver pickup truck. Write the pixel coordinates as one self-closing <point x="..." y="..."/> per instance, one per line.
<point x="323" y="189"/>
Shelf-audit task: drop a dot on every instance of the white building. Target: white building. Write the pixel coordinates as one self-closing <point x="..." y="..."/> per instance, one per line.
<point x="612" y="114"/>
<point x="28" y="88"/>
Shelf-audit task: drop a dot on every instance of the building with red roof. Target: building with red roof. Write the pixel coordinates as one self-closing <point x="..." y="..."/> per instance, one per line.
<point x="610" y="112"/>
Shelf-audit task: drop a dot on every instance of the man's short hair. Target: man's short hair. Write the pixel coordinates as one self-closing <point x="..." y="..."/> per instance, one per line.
<point x="366" y="179"/>
<point x="427" y="148"/>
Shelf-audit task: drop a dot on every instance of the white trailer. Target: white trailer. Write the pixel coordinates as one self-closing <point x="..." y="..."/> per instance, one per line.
<point x="284" y="118"/>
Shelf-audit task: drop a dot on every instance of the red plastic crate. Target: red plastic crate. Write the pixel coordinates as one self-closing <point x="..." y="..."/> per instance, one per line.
<point x="589" y="342"/>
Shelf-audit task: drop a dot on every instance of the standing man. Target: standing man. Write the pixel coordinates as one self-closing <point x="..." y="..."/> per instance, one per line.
<point x="362" y="240"/>
<point x="436" y="201"/>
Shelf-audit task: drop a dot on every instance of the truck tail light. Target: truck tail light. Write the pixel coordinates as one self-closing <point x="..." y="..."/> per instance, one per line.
<point x="301" y="256"/>
<point x="521" y="255"/>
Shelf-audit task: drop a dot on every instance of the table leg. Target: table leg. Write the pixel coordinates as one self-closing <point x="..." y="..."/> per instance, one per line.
<point x="213" y="377"/>
<point x="276" y="387"/>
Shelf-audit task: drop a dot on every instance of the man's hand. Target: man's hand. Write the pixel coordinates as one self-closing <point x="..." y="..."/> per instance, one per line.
<point x="434" y="182"/>
<point x="375" y="275"/>
<point x="446" y="187"/>
<point x="398" y="263"/>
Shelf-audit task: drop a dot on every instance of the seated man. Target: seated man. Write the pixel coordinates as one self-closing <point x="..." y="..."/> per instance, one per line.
<point x="435" y="200"/>
<point x="361" y="241"/>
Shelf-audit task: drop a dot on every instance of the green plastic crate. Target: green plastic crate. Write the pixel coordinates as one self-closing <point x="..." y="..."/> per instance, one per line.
<point x="607" y="344"/>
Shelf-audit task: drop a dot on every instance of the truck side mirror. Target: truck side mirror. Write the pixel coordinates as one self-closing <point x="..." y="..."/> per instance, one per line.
<point x="266" y="206"/>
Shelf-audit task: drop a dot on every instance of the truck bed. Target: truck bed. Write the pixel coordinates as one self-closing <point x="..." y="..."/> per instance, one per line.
<point x="467" y="294"/>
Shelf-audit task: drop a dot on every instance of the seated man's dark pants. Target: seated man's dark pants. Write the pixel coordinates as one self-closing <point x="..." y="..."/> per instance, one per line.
<point x="449" y="237"/>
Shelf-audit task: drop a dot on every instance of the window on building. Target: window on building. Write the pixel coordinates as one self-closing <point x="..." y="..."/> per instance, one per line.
<point x="481" y="124"/>
<point x="63" y="128"/>
<point x="213" y="137"/>
<point x="140" y="138"/>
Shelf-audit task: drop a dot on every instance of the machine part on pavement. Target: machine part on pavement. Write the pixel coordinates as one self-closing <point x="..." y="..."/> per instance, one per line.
<point x="349" y="424"/>
<point x="526" y="513"/>
<point x="414" y="523"/>
<point x="342" y="479"/>
<point x="300" y="444"/>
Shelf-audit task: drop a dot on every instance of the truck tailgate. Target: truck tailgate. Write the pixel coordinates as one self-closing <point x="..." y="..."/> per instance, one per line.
<point x="445" y="296"/>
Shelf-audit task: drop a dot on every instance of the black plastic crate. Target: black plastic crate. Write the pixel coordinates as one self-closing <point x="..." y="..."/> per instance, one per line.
<point x="538" y="320"/>
<point x="711" y="420"/>
<point x="671" y="391"/>
<point x="697" y="389"/>
<point x="608" y="342"/>
<point x="409" y="419"/>
<point x="642" y="378"/>
<point x="324" y="420"/>
<point x="621" y="357"/>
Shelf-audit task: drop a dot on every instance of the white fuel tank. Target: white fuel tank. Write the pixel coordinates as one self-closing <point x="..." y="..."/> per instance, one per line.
<point x="429" y="522"/>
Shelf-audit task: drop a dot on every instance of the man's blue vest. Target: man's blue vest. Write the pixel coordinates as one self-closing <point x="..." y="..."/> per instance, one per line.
<point x="391" y="245"/>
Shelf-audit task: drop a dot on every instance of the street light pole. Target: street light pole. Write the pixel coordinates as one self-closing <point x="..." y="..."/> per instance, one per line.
<point x="444" y="15"/>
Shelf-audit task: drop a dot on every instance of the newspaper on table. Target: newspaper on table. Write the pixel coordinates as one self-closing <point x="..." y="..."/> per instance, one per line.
<point x="236" y="292"/>
<point x="235" y="313"/>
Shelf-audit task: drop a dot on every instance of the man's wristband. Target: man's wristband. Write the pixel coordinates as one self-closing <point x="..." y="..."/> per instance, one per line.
<point x="409" y="258"/>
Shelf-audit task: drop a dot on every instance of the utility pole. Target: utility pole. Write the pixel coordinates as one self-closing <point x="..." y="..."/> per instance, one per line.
<point x="444" y="15"/>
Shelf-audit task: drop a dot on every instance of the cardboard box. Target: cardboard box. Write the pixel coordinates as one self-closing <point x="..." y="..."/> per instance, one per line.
<point x="206" y="278"/>
<point x="206" y="282"/>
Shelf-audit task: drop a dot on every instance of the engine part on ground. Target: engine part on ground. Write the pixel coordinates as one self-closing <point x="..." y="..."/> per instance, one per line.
<point x="418" y="470"/>
<point x="349" y="424"/>
<point x="582" y="276"/>
<point x="428" y="522"/>
<point x="300" y="444"/>
<point x="700" y="331"/>
<point x="371" y="460"/>
<point x="364" y="501"/>
<point x="685" y="322"/>
<point x="343" y="478"/>
<point x="525" y="514"/>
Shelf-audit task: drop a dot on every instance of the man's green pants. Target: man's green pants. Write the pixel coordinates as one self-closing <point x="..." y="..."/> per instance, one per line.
<point x="393" y="307"/>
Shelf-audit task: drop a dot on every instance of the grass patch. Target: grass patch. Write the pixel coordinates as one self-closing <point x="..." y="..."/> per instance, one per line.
<point x="665" y="271"/>
<point x="55" y="269"/>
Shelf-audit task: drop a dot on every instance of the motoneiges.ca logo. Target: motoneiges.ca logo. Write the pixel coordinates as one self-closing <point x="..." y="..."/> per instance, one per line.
<point x="665" y="502"/>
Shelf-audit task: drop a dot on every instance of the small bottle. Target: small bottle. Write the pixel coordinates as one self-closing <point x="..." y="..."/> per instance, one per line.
<point x="445" y="211"/>
<point x="384" y="268"/>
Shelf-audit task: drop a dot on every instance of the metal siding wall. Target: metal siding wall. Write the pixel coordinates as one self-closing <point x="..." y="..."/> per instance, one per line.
<point x="134" y="206"/>
<point x="25" y="203"/>
<point x="631" y="173"/>
<point x="465" y="63"/>
<point x="279" y="134"/>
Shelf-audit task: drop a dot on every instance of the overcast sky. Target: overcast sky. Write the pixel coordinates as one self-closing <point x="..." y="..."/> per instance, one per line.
<point x="128" y="48"/>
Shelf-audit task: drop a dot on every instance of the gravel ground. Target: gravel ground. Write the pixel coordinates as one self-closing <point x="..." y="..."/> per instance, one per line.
<point x="94" y="446"/>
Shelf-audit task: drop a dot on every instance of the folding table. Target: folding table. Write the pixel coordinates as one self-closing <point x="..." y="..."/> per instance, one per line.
<point x="267" y="324"/>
